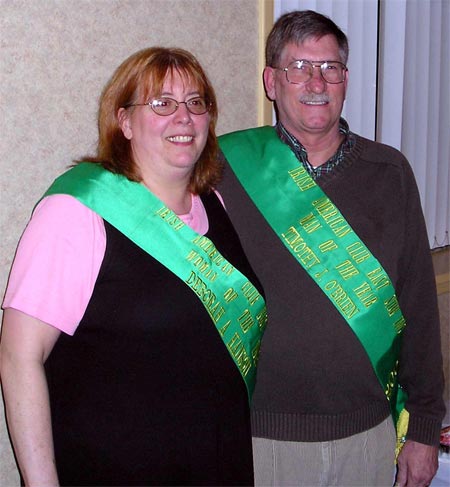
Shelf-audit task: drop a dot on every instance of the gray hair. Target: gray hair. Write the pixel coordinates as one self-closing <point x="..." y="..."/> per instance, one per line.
<point x="298" y="26"/>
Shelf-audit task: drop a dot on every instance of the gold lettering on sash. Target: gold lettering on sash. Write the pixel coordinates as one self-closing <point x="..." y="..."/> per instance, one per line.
<point x="378" y="278"/>
<point x="325" y="207"/>
<point x="195" y="283"/>
<point x="319" y="275"/>
<point x="331" y="215"/>
<point x="230" y="295"/>
<point x="310" y="223"/>
<point x="209" y="248"/>
<point x="291" y="236"/>
<point x="366" y="295"/>
<point x="347" y="307"/>
<point x="250" y="292"/>
<point x="217" y="311"/>
<point x="327" y="246"/>
<point x="203" y="266"/>
<point x="399" y="325"/>
<point x="261" y="318"/>
<point x="170" y="217"/>
<point x="301" y="178"/>
<point x="255" y="353"/>
<point x="224" y="328"/>
<point x="227" y="269"/>
<point x="392" y="305"/>
<point x="246" y="321"/>
<point x="209" y="299"/>
<point x="347" y="270"/>
<point x="304" y="253"/>
<point x="392" y="380"/>
<point x="358" y="252"/>
<point x="339" y="226"/>
<point x="202" y="242"/>
<point x="240" y="355"/>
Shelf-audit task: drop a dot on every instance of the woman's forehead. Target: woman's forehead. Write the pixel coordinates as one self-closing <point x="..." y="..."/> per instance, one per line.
<point x="172" y="78"/>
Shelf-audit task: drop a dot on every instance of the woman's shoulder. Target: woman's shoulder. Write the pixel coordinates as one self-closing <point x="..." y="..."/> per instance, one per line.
<point x="57" y="262"/>
<point x="64" y="208"/>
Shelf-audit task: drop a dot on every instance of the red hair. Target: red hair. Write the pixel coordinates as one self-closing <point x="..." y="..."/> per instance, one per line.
<point x="138" y="78"/>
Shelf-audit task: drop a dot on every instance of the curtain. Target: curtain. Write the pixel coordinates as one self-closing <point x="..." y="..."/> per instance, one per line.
<point x="414" y="99"/>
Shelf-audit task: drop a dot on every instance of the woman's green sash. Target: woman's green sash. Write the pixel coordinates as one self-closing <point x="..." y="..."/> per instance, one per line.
<point x="233" y="303"/>
<point x="321" y="240"/>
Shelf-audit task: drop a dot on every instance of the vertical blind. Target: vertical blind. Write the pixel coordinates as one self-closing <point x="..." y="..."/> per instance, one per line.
<point x="414" y="99"/>
<point x="399" y="88"/>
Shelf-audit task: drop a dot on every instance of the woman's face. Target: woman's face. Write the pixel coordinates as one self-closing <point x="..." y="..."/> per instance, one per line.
<point x="166" y="146"/>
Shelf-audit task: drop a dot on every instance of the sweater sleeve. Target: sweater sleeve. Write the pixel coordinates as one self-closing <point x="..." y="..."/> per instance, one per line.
<point x="57" y="263"/>
<point x="420" y="364"/>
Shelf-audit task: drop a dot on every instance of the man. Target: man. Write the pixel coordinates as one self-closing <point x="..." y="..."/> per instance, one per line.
<point x="332" y="225"/>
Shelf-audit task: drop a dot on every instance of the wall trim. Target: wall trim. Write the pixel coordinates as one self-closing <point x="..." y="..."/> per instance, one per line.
<point x="266" y="8"/>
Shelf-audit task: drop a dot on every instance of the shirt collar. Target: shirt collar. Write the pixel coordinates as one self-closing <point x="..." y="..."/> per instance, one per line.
<point x="301" y="154"/>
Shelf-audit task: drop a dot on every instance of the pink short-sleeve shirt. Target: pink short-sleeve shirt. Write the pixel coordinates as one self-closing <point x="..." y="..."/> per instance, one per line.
<point x="59" y="257"/>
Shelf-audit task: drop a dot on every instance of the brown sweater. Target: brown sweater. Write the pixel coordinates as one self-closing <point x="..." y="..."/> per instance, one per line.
<point x="315" y="381"/>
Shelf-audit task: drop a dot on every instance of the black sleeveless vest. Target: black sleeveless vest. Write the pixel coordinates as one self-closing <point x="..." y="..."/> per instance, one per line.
<point x="145" y="392"/>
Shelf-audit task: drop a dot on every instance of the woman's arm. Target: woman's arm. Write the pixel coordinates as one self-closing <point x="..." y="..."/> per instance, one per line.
<point x="25" y="344"/>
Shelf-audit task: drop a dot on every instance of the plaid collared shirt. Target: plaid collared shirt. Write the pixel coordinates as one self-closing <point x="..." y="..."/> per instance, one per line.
<point x="302" y="155"/>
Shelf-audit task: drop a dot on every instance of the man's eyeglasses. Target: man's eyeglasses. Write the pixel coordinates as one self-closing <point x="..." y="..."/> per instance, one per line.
<point x="167" y="106"/>
<point x="301" y="71"/>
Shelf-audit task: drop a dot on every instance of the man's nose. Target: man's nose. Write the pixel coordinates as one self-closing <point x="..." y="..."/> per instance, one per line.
<point x="316" y="84"/>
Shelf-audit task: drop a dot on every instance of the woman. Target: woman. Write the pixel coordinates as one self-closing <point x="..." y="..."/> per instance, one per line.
<point x="130" y="331"/>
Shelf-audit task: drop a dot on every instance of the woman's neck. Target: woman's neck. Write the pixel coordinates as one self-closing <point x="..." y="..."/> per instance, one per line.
<point x="175" y="195"/>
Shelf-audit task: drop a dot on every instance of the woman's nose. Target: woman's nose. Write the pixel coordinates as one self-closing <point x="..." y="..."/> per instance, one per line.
<point x="182" y="113"/>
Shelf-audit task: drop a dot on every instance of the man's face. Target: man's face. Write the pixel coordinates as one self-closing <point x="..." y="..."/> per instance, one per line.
<point x="314" y="107"/>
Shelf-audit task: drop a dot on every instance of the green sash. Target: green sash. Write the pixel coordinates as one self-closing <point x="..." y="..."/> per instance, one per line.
<point x="321" y="240"/>
<point x="233" y="303"/>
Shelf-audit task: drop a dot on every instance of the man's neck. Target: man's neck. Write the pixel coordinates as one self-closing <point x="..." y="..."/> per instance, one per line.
<point x="321" y="149"/>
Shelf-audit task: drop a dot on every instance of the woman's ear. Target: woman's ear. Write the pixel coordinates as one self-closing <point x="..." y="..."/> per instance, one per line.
<point x="123" y="117"/>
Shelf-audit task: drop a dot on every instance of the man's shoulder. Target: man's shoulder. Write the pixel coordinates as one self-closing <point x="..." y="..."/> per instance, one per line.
<point x="379" y="153"/>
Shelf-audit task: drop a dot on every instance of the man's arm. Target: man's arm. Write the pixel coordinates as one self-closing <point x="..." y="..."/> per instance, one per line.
<point x="420" y="357"/>
<point x="25" y="345"/>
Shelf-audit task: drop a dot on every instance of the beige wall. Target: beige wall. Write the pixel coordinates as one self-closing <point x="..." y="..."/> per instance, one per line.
<point x="56" y="56"/>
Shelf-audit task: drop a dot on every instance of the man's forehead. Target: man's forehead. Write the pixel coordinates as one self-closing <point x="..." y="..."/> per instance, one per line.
<point x="297" y="50"/>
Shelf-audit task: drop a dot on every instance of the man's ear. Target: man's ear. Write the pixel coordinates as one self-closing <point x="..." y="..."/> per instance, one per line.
<point x="345" y="84"/>
<point x="269" y="82"/>
<point x="123" y="117"/>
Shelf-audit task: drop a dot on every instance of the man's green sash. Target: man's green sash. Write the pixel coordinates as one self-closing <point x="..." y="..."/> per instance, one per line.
<point x="321" y="240"/>
<point x="233" y="303"/>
